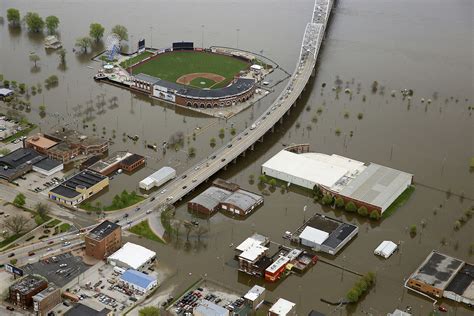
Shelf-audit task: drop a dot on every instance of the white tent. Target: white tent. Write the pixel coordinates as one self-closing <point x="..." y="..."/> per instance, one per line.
<point x="386" y="249"/>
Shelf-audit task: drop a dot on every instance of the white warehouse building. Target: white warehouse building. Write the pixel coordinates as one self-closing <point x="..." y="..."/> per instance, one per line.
<point x="132" y="256"/>
<point x="158" y="178"/>
<point x="367" y="184"/>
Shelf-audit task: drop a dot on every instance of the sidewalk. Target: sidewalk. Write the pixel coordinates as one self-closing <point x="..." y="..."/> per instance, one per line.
<point x="156" y="226"/>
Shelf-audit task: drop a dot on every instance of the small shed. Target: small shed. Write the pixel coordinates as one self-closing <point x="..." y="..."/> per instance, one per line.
<point x="386" y="249"/>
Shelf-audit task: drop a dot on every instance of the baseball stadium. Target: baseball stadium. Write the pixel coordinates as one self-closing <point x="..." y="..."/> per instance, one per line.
<point x="193" y="77"/>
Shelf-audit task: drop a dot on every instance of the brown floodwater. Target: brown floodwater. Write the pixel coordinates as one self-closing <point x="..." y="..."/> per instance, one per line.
<point x="422" y="45"/>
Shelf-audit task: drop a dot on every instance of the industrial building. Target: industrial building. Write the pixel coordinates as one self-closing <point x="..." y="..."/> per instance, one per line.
<point x="326" y="234"/>
<point x="18" y="163"/>
<point x="366" y="184"/>
<point x="282" y="307"/>
<point x="103" y="240"/>
<point x="158" y="178"/>
<point x="208" y="308"/>
<point x="48" y="166"/>
<point x="255" y="296"/>
<point x="252" y="255"/>
<point x="138" y="281"/>
<point x="225" y="196"/>
<point x="132" y="256"/>
<point x="443" y="276"/>
<point x="46" y="300"/>
<point x="21" y="292"/>
<point x="79" y="187"/>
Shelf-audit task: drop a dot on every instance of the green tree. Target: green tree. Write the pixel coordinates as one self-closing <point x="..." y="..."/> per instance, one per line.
<point x="149" y="311"/>
<point x="191" y="151"/>
<point x="34" y="22"/>
<point x="272" y="182"/>
<point x="374" y="215"/>
<point x="327" y="199"/>
<point x="84" y="43"/>
<point x="34" y="58"/>
<point x="363" y="211"/>
<point x="121" y="32"/>
<point x="221" y="133"/>
<point x="233" y="131"/>
<point x="20" y="199"/>
<point x="413" y="230"/>
<point x="96" y="31"/>
<point x="62" y="56"/>
<point x="262" y="178"/>
<point x="4" y="151"/>
<point x="350" y="207"/>
<point x="339" y="202"/>
<point x="352" y="296"/>
<point x="52" y="23"/>
<point x="212" y="142"/>
<point x="13" y="17"/>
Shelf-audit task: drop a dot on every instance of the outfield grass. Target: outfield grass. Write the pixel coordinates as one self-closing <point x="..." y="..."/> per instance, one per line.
<point x="135" y="59"/>
<point x="143" y="229"/>
<point x="197" y="82"/>
<point x="171" y="66"/>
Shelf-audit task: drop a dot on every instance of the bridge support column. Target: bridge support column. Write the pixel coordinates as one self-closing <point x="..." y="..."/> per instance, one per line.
<point x="313" y="72"/>
<point x="261" y="139"/>
<point x="281" y="120"/>
<point x="234" y="161"/>
<point x="243" y="153"/>
<point x="273" y="129"/>
<point x="288" y="112"/>
<point x="252" y="147"/>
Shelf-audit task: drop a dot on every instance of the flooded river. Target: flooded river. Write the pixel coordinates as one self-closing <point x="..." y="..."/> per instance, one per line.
<point x="415" y="44"/>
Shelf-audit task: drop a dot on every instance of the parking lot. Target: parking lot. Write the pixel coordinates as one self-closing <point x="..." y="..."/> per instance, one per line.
<point x="60" y="269"/>
<point x="37" y="182"/>
<point x="8" y="127"/>
<point x="206" y="290"/>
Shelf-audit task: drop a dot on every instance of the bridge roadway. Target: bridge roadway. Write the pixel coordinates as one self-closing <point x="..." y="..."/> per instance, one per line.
<point x="203" y="170"/>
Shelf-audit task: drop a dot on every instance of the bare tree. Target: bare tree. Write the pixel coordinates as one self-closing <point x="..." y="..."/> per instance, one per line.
<point x="17" y="224"/>
<point x="176" y="227"/>
<point x="42" y="209"/>
<point x="188" y="226"/>
<point x="200" y="231"/>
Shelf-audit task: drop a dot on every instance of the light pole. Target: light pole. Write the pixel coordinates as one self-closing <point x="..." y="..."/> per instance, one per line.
<point x="238" y="30"/>
<point x="202" y="36"/>
<point x="151" y="36"/>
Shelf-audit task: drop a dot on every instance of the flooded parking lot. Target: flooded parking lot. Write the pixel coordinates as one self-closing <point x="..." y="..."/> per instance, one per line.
<point x="405" y="45"/>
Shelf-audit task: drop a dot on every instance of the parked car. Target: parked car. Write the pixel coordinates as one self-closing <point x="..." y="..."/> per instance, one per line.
<point x="11" y="255"/>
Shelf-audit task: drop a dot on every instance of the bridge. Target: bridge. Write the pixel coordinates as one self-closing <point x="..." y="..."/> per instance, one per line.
<point x="206" y="168"/>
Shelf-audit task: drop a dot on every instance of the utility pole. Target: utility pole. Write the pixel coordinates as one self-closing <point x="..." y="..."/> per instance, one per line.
<point x="202" y="36"/>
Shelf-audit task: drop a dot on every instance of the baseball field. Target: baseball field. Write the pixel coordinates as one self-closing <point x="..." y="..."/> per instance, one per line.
<point x="198" y="69"/>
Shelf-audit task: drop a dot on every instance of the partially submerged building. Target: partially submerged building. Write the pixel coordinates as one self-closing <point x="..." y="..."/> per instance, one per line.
<point x="282" y="307"/>
<point x="78" y="188"/>
<point x="326" y="234"/>
<point x="255" y="296"/>
<point x="366" y="184"/>
<point x="119" y="160"/>
<point x="225" y="196"/>
<point x="443" y="276"/>
<point x="103" y="240"/>
<point x="252" y="255"/>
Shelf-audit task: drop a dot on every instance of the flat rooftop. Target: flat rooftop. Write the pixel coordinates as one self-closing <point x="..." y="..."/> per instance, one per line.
<point x="41" y="141"/>
<point x="255" y="239"/>
<point x="463" y="283"/>
<point x="85" y="178"/>
<point x="338" y="230"/>
<point x="45" y="293"/>
<point x="377" y="185"/>
<point x="74" y="137"/>
<point x="103" y="230"/>
<point x="211" y="197"/>
<point x="27" y="284"/>
<point x="20" y="157"/>
<point x="130" y="160"/>
<point x="437" y="270"/>
<point x="48" y="164"/>
<point x="112" y="160"/>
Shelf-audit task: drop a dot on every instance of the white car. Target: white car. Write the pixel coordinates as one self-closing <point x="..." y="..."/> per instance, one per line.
<point x="163" y="191"/>
<point x="149" y="211"/>
<point x="169" y="198"/>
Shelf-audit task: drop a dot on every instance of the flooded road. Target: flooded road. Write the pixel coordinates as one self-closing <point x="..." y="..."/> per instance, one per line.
<point x="421" y="45"/>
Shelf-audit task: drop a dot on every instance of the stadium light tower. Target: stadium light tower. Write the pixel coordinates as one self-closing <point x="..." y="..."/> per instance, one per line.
<point x="238" y="30"/>
<point x="202" y="36"/>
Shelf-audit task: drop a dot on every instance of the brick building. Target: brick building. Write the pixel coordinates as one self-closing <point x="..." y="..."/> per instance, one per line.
<point x="103" y="240"/>
<point x="46" y="300"/>
<point x="21" y="292"/>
